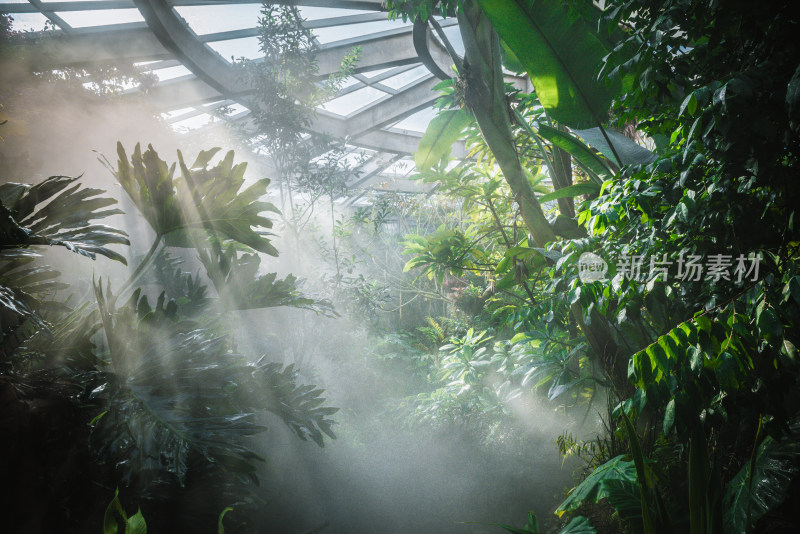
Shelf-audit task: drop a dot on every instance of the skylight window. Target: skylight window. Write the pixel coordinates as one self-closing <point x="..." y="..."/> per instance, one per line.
<point x="28" y="22"/>
<point x="374" y="73"/>
<point x="317" y="13"/>
<point x="339" y="33"/>
<point x="100" y="17"/>
<point x="220" y="18"/>
<point x="417" y="122"/>
<point x="246" y="47"/>
<point x="192" y="123"/>
<point x="351" y="102"/>
<point x="176" y="113"/>
<point x="170" y="73"/>
<point x="404" y="78"/>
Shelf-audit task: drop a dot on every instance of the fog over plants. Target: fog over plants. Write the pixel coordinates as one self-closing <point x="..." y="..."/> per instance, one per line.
<point x="586" y="325"/>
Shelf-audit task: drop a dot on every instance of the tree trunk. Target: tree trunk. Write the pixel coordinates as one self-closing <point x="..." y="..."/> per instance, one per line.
<point x="485" y="96"/>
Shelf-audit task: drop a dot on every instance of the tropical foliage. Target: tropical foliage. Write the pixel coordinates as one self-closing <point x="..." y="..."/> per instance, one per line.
<point x="169" y="401"/>
<point x="704" y="360"/>
<point x="619" y="248"/>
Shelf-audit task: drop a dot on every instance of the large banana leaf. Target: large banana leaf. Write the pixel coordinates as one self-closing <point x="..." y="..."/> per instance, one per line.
<point x="562" y="55"/>
<point x="58" y="211"/>
<point x="201" y="201"/>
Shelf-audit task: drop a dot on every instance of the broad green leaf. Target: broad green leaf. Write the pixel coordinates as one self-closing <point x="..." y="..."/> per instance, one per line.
<point x="750" y="496"/>
<point x="201" y="202"/>
<point x="578" y="525"/>
<point x="562" y="57"/>
<point x="585" y="188"/>
<point x="113" y="509"/>
<point x="59" y="211"/>
<point x="442" y="132"/>
<point x="593" y="488"/>
<point x="136" y="524"/>
<point x="629" y="152"/>
<point x="577" y="148"/>
<point x="510" y="60"/>
<point x="669" y="417"/>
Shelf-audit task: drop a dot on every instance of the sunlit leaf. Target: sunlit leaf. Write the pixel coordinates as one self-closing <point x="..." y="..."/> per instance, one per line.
<point x="562" y="57"/>
<point x="442" y="132"/>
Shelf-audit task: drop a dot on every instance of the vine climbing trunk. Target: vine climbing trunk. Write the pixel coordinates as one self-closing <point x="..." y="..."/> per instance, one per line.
<point x="486" y="98"/>
<point x="562" y="177"/>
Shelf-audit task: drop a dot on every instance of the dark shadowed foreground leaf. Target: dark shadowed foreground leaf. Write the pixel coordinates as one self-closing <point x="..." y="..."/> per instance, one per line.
<point x="749" y="496"/>
<point x="58" y="211"/>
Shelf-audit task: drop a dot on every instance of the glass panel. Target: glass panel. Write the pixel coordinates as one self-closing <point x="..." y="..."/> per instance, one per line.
<point x="192" y="123"/>
<point x="171" y="73"/>
<point x="339" y="33"/>
<point x="349" y="103"/>
<point x="247" y="47"/>
<point x="27" y="22"/>
<point x="417" y="122"/>
<point x="317" y="13"/>
<point x="100" y="17"/>
<point x="221" y="18"/>
<point x="405" y="78"/>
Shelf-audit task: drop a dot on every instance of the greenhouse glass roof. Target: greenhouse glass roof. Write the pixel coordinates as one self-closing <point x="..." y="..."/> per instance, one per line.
<point x="190" y="46"/>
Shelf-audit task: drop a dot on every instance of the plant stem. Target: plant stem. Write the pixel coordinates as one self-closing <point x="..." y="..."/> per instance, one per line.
<point x="531" y="132"/>
<point x="146" y="261"/>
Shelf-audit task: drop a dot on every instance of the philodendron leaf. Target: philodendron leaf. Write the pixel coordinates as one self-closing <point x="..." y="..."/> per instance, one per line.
<point x="442" y="132"/>
<point x="749" y="496"/>
<point x="562" y="57"/>
<point x="629" y="152"/>
<point x="58" y="211"/>
<point x="202" y="200"/>
<point x="594" y="487"/>
<point x="230" y="211"/>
